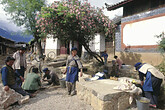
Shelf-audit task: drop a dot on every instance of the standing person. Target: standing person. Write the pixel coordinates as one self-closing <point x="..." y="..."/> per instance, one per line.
<point x="105" y="55"/>
<point x="52" y="78"/>
<point x="73" y="65"/>
<point x="119" y="62"/>
<point x="153" y="80"/>
<point x="20" y="64"/>
<point x="32" y="82"/>
<point x="8" y="77"/>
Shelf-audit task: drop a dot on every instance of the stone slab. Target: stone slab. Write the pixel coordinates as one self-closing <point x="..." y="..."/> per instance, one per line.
<point x="57" y="64"/>
<point x="101" y="95"/>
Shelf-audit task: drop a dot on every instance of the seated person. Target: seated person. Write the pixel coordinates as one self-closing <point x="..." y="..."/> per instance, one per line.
<point x="8" y="78"/>
<point x="52" y="78"/>
<point x="32" y="82"/>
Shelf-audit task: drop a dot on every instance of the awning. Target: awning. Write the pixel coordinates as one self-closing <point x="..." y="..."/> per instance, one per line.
<point x="117" y="5"/>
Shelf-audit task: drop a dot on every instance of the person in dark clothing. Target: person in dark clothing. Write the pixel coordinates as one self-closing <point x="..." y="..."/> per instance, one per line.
<point x="52" y="78"/>
<point x="105" y="55"/>
<point x="153" y="81"/>
<point x="8" y="77"/>
<point x="73" y="64"/>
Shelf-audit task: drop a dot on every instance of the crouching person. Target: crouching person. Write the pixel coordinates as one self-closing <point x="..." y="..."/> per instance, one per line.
<point x="8" y="78"/>
<point x="52" y="78"/>
<point x="73" y="65"/>
<point x="153" y="81"/>
<point x="32" y="81"/>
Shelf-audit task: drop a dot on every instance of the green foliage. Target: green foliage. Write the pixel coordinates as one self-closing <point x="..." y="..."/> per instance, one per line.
<point x="161" y="67"/>
<point x="24" y="12"/>
<point x="161" y="47"/>
<point x="161" y="43"/>
<point x="73" y="20"/>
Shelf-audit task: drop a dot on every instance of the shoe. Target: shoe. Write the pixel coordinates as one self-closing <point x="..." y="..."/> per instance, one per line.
<point x="32" y="95"/>
<point x="152" y="106"/>
<point x="69" y="93"/>
<point x="73" y="93"/>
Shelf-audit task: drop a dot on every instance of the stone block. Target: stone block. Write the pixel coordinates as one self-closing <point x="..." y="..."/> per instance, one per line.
<point x="101" y="95"/>
<point x="8" y="98"/>
<point x="24" y="100"/>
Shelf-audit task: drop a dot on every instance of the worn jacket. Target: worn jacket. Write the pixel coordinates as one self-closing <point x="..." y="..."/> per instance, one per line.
<point x="74" y="61"/>
<point x="16" y="64"/>
<point x="8" y="75"/>
<point x="32" y="82"/>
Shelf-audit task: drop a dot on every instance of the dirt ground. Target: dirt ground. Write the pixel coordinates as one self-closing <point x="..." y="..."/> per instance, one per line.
<point x="53" y="98"/>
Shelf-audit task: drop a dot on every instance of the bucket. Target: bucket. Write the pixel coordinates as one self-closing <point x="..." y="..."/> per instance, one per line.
<point x="62" y="83"/>
<point x="143" y="103"/>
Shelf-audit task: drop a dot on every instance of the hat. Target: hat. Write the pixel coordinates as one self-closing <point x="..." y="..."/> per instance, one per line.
<point x="45" y="69"/>
<point x="9" y="58"/>
<point x="137" y="65"/>
<point x="74" y="48"/>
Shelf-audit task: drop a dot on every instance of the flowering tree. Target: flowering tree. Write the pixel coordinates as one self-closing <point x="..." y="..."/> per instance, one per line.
<point x="74" y="21"/>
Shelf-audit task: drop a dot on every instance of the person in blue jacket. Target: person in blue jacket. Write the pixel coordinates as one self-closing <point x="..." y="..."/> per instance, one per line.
<point x="151" y="85"/>
<point x="8" y="77"/>
<point x="105" y="55"/>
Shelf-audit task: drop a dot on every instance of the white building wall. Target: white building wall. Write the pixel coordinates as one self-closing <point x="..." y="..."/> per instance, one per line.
<point x="52" y="45"/>
<point x="98" y="44"/>
<point x="102" y="43"/>
<point x="143" y="32"/>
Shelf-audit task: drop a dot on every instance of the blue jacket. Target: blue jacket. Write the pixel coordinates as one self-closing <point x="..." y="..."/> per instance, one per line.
<point x="8" y="75"/>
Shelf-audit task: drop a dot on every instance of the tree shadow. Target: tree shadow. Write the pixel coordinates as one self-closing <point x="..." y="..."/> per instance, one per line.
<point x="130" y="58"/>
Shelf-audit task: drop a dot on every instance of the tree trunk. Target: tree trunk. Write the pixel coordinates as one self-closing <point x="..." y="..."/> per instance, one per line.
<point x="39" y="48"/>
<point x="79" y="50"/>
<point x="95" y="55"/>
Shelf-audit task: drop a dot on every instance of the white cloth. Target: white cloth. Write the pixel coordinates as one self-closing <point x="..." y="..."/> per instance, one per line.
<point x="18" y="61"/>
<point x="152" y="69"/>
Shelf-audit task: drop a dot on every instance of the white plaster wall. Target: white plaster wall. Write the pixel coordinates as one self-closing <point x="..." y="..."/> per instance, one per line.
<point x="102" y="43"/>
<point x="143" y="32"/>
<point x="98" y="44"/>
<point x="52" y="44"/>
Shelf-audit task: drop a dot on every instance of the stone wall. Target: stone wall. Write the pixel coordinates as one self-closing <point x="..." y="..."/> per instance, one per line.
<point x="143" y="15"/>
<point x="131" y="58"/>
<point x="102" y="96"/>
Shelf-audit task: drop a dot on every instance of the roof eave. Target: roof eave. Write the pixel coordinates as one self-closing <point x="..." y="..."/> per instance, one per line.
<point x="118" y="5"/>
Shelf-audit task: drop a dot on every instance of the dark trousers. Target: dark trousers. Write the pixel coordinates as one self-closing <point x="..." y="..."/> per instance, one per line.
<point x="152" y="97"/>
<point x="31" y="91"/>
<point x="54" y="79"/>
<point x="20" y="72"/>
<point x="18" y="89"/>
<point x="71" y="87"/>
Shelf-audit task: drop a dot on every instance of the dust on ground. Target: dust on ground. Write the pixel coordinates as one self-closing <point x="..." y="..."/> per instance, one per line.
<point x="54" y="98"/>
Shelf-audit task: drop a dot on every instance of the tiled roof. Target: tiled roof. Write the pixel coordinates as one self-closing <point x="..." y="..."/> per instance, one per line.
<point x="7" y="39"/>
<point x="117" y="5"/>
